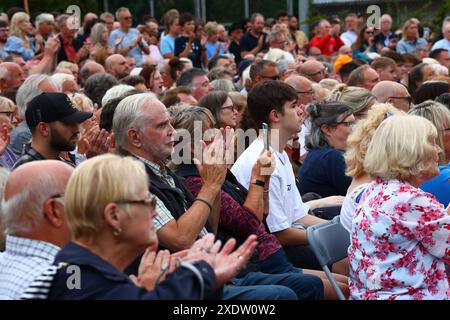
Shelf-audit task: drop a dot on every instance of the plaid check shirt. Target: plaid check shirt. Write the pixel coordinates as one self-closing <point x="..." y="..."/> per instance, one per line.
<point x="164" y="216"/>
<point x="23" y="260"/>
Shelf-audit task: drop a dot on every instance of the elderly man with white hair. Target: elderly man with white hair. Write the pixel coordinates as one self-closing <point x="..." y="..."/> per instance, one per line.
<point x="65" y="82"/>
<point x="445" y="42"/>
<point x="11" y="76"/>
<point x="33" y="86"/>
<point x="35" y="223"/>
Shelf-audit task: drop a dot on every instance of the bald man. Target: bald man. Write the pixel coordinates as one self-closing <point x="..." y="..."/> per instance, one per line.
<point x="117" y="66"/>
<point x="11" y="76"/>
<point x="313" y="70"/>
<point x="89" y="68"/>
<point x="35" y="223"/>
<point x="393" y="93"/>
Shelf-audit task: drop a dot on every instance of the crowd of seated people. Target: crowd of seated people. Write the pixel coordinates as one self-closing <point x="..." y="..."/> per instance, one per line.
<point x="176" y="159"/>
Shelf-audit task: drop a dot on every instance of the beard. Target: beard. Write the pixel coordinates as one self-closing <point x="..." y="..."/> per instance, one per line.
<point x="58" y="143"/>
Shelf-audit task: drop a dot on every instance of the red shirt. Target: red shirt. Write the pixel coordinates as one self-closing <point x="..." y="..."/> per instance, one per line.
<point x="70" y="50"/>
<point x="327" y="44"/>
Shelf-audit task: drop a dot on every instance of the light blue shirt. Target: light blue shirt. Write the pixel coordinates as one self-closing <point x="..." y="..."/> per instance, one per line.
<point x="15" y="45"/>
<point x="167" y="44"/>
<point x="23" y="260"/>
<point x="128" y="40"/>
<point x="211" y="49"/>
<point x="442" y="44"/>
<point x="406" y="46"/>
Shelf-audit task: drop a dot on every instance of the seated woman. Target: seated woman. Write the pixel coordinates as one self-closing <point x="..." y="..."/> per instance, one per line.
<point x="439" y="115"/>
<point x="323" y="170"/>
<point x="110" y="213"/>
<point x="242" y="211"/>
<point x="20" y="41"/>
<point x="364" y="44"/>
<point x="358" y="142"/>
<point x="222" y="108"/>
<point x="399" y="241"/>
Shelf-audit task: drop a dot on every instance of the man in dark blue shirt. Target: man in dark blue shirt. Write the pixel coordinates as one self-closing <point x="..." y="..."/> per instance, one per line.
<point x="254" y="41"/>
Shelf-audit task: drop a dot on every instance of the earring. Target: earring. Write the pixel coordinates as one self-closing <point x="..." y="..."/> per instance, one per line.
<point x="117" y="232"/>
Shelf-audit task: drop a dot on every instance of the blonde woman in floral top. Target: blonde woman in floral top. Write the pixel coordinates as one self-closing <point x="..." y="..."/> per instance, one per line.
<point x="400" y="234"/>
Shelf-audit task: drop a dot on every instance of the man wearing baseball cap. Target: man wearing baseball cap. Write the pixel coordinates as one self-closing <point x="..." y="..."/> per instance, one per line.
<point x="54" y="123"/>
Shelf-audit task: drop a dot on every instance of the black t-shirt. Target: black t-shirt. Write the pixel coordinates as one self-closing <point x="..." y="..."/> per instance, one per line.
<point x="249" y="42"/>
<point x="196" y="53"/>
<point x="235" y="49"/>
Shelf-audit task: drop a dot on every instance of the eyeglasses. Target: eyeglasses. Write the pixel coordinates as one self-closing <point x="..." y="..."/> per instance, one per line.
<point x="149" y="201"/>
<point x="127" y="18"/>
<point x="408" y="99"/>
<point x="232" y="108"/>
<point x="320" y="71"/>
<point x="345" y="123"/>
<point x="309" y="93"/>
<point x="9" y="114"/>
<point x="369" y="32"/>
<point x="277" y="77"/>
<point x="4" y="29"/>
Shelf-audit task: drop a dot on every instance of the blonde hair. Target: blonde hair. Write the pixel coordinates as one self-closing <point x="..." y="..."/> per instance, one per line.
<point x="362" y="133"/>
<point x="82" y="102"/>
<point x="73" y="67"/>
<point x="406" y="25"/>
<point x="94" y="184"/>
<point x="239" y="100"/>
<point x="14" y="29"/>
<point x="357" y="98"/>
<point x="439" y="115"/>
<point x="211" y="28"/>
<point x="320" y="92"/>
<point x="400" y="148"/>
<point x="6" y="103"/>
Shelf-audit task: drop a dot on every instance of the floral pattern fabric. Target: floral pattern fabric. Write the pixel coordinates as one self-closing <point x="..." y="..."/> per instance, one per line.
<point x="400" y="244"/>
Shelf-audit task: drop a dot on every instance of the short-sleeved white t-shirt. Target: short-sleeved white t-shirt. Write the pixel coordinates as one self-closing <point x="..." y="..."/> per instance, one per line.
<point x="285" y="203"/>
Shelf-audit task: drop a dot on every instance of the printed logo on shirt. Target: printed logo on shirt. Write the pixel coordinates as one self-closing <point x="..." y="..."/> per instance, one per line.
<point x="289" y="187"/>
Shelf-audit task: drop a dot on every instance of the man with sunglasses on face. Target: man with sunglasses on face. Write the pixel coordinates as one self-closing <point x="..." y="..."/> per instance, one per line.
<point x="126" y="40"/>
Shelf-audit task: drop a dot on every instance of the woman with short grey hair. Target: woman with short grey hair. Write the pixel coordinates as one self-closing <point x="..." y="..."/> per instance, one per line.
<point x="323" y="171"/>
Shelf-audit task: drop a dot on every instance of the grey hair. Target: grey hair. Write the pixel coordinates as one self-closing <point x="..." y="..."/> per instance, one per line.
<point x="97" y="31"/>
<point x="119" y="11"/>
<point x="282" y="65"/>
<point x="60" y="78"/>
<point x="4" y="73"/>
<point x="24" y="211"/>
<point x="254" y="16"/>
<point x="43" y="17"/>
<point x="115" y="92"/>
<point x="62" y="19"/>
<point x="128" y="114"/>
<point x="30" y="89"/>
<point x="223" y="85"/>
<point x="273" y="35"/>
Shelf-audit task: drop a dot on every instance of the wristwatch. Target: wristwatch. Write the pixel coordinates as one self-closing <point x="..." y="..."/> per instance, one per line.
<point x="258" y="182"/>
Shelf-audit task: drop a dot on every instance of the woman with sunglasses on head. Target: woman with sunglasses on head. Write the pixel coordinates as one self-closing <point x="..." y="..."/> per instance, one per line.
<point x="364" y="44"/>
<point x="323" y="170"/>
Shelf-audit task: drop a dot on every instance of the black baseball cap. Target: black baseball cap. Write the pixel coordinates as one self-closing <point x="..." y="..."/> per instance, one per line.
<point x="53" y="106"/>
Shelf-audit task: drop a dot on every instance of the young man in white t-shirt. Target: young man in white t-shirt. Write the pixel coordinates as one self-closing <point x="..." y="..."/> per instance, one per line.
<point x="275" y="103"/>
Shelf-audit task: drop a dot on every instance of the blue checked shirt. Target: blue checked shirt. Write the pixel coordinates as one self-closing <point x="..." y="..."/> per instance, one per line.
<point x="164" y="216"/>
<point x="23" y="260"/>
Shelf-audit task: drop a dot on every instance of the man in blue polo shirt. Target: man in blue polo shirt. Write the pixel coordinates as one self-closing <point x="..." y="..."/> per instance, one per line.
<point x="128" y="41"/>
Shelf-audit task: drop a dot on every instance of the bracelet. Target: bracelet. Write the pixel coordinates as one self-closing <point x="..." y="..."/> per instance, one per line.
<point x="205" y="202"/>
<point x="258" y="182"/>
